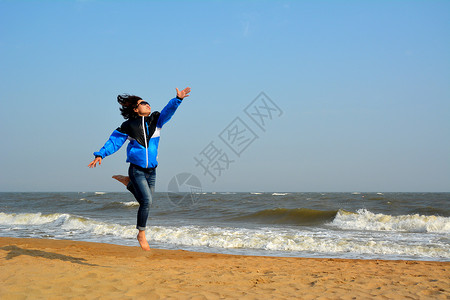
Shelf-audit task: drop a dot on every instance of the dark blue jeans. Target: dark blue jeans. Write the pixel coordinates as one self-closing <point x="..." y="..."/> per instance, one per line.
<point x="142" y="186"/>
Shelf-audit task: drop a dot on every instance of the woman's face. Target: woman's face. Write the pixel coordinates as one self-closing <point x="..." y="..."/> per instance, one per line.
<point x="143" y="108"/>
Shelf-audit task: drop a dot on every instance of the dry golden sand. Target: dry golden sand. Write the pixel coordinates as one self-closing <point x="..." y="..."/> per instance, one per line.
<point x="54" y="269"/>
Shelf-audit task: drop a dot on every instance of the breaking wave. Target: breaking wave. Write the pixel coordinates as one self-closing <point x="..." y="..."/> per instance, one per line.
<point x="378" y="235"/>
<point x="366" y="220"/>
<point x="299" y="216"/>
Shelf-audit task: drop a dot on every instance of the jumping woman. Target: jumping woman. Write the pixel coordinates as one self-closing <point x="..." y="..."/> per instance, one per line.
<point x="142" y="128"/>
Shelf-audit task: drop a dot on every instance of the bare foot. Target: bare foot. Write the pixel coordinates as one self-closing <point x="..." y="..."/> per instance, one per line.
<point x="123" y="179"/>
<point x="143" y="240"/>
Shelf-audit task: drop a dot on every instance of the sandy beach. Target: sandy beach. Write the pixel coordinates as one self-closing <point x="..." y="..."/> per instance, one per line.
<point x="64" y="269"/>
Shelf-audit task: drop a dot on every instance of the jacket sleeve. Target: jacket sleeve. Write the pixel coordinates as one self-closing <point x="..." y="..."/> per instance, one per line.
<point x="115" y="141"/>
<point x="168" y="111"/>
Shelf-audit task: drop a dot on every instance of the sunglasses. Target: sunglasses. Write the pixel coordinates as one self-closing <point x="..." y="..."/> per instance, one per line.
<point x="144" y="103"/>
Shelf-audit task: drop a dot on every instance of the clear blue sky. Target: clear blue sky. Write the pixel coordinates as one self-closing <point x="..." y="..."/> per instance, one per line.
<point x="363" y="87"/>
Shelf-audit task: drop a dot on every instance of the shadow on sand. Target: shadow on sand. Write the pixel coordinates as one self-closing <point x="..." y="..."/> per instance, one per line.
<point x="15" y="251"/>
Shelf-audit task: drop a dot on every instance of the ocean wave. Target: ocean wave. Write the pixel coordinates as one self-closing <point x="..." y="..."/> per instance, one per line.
<point x="86" y="200"/>
<point x="292" y="241"/>
<point x="122" y="204"/>
<point x="119" y="205"/>
<point x="366" y="220"/>
<point x="99" y="228"/>
<point x="68" y="223"/>
<point x="31" y="218"/>
<point x="274" y="239"/>
<point x="130" y="203"/>
<point x="299" y="216"/>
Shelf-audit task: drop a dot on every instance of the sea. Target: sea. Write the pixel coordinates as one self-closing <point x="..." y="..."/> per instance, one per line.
<point x="353" y="225"/>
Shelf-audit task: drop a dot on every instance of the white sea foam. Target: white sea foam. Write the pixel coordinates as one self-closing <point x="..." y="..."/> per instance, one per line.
<point x="295" y="240"/>
<point x="366" y="220"/>
<point x="99" y="228"/>
<point x="30" y="218"/>
<point x="130" y="203"/>
<point x="67" y="223"/>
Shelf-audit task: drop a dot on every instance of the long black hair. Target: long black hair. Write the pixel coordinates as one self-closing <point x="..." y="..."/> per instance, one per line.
<point x="129" y="103"/>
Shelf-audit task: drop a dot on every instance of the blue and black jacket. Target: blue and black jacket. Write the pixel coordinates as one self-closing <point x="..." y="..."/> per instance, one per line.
<point x="143" y="134"/>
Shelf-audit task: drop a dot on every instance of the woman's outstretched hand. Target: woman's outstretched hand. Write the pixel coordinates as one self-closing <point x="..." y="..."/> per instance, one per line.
<point x="184" y="93"/>
<point x="93" y="163"/>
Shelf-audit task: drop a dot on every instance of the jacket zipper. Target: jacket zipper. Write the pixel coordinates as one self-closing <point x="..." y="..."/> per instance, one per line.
<point x="145" y="139"/>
